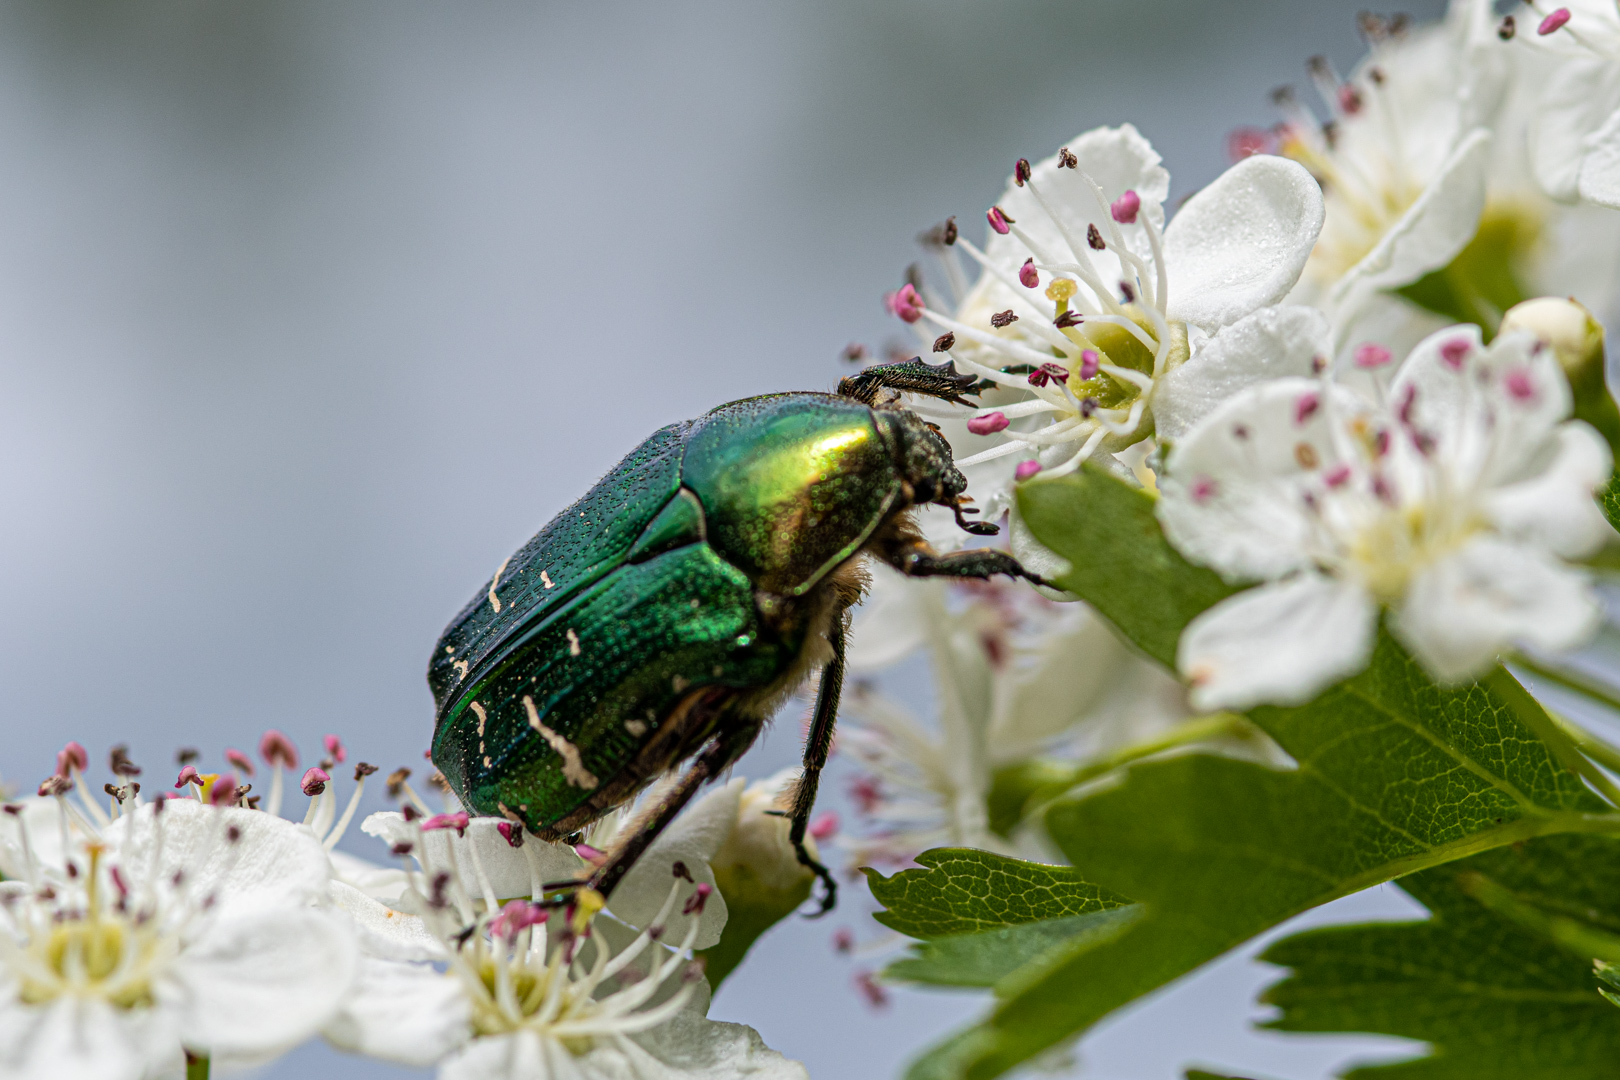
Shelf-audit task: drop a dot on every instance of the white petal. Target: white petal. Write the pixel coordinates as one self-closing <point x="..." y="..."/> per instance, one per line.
<point x="380" y="882"/>
<point x="1555" y="508"/>
<point x="1575" y="99"/>
<point x="1435" y="227"/>
<point x="1281" y="643"/>
<point x="259" y="982"/>
<point x="692" y="838"/>
<point x="888" y="624"/>
<point x="275" y="861"/>
<point x="696" y="1047"/>
<point x="1600" y="169"/>
<point x="1231" y="494"/>
<point x="519" y="1056"/>
<point x="70" y="1039"/>
<point x="1266" y="344"/>
<point x="1240" y="243"/>
<point x="507" y="867"/>
<point x="411" y="1014"/>
<point x="384" y="931"/>
<point x="1464" y="610"/>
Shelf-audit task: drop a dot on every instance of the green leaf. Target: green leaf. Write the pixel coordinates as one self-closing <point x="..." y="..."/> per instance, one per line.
<point x="1608" y="498"/>
<point x="1483" y="983"/>
<point x="1122" y="564"/>
<point x="1394" y="774"/>
<point x="984" y="959"/>
<point x="1479" y="284"/>
<point x="964" y="891"/>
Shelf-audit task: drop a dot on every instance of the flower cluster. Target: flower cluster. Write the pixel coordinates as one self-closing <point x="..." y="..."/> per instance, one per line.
<point x="1324" y="363"/>
<point x="144" y="936"/>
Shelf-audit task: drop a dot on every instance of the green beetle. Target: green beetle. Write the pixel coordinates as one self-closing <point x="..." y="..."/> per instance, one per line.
<point x="667" y="614"/>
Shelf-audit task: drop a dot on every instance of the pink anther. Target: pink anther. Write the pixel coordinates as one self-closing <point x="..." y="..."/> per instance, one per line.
<point x="824" y="826"/>
<point x="334" y="748"/>
<point x="71" y="756"/>
<point x="1336" y="476"/>
<point x="1249" y="141"/>
<point x="278" y="750"/>
<point x="457" y="821"/>
<point x="1306" y="407"/>
<point x="1027" y="277"/>
<point x="1089" y="362"/>
<point x="998" y="220"/>
<point x="223" y="793"/>
<point x="700" y="897"/>
<point x="189" y="775"/>
<point x="1372" y="355"/>
<point x="906" y="303"/>
<point x="240" y="761"/>
<point x="1553" y="22"/>
<point x="1046" y="373"/>
<point x="314" y="781"/>
<point x="1125" y="208"/>
<point x="1520" y="385"/>
<point x="1454" y="352"/>
<point x="988" y="424"/>
<point x="1026" y="469"/>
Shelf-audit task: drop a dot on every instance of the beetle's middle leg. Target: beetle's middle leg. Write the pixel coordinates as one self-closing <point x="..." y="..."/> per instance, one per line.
<point x="817" y="744"/>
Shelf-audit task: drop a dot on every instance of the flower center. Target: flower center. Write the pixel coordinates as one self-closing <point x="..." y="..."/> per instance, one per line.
<point x="97" y="956"/>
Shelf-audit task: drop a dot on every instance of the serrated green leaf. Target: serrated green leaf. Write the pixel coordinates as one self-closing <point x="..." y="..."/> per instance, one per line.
<point x="985" y="959"/>
<point x="1122" y="564"/>
<point x="1394" y="775"/>
<point x="1608" y="498"/>
<point x="965" y="891"/>
<point x="1484" y="984"/>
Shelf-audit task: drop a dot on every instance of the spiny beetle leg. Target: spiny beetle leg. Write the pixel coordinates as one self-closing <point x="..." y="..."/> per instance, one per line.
<point x="817" y="744"/>
<point x="913" y="376"/>
<point x="972" y="563"/>
<point x="977" y="528"/>
<point x="722" y="750"/>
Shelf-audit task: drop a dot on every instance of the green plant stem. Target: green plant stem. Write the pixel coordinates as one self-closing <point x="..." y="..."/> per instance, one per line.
<point x="196" y="1067"/>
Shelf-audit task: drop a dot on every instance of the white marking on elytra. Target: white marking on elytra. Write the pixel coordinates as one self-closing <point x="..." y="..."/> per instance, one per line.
<point x="486" y="762"/>
<point x="461" y="666"/>
<point x="450" y="650"/>
<point x="573" y="643"/>
<point x="680" y="683"/>
<point x="495" y="601"/>
<point x="546" y="580"/>
<point x="574" y="770"/>
<point x="479" y="709"/>
<point x="635" y="727"/>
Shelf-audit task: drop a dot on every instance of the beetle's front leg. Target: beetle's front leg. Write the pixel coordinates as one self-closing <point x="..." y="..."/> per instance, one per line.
<point x="817" y="743"/>
<point x="917" y="559"/>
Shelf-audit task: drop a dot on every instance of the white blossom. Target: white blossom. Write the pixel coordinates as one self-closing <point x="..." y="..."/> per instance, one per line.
<point x="1014" y="675"/>
<point x="1452" y="503"/>
<point x="520" y="991"/>
<point x="1086" y="301"/>
<point x="1571" y="60"/>
<point x="176" y="927"/>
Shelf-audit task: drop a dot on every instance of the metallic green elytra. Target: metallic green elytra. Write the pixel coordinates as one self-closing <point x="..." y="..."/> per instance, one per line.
<point x="671" y="609"/>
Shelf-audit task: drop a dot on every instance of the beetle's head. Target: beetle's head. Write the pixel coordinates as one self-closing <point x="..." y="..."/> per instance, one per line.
<point x="924" y="460"/>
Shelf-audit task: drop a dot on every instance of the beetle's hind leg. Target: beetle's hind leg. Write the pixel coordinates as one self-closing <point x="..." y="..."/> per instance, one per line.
<point x="724" y="749"/>
<point x="913" y="376"/>
<point x="817" y="744"/>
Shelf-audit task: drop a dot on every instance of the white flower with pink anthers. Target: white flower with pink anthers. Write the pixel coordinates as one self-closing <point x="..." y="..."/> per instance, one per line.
<point x="133" y="938"/>
<point x="1572" y="57"/>
<point x="1086" y="301"/>
<point x="1451" y="503"/>
<point x="532" y="992"/>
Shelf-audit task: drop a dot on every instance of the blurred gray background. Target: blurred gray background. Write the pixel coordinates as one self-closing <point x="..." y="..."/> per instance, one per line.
<point x="310" y="313"/>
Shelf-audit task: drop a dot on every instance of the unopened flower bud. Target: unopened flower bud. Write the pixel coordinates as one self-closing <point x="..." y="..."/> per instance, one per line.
<point x="1576" y="340"/>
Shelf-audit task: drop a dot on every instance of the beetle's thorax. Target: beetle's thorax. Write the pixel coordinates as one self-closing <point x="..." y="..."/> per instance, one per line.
<point x="922" y="458"/>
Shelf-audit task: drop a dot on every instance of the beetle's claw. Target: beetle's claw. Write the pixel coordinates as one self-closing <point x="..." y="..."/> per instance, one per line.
<point x="829" y="897"/>
<point x="977" y="528"/>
